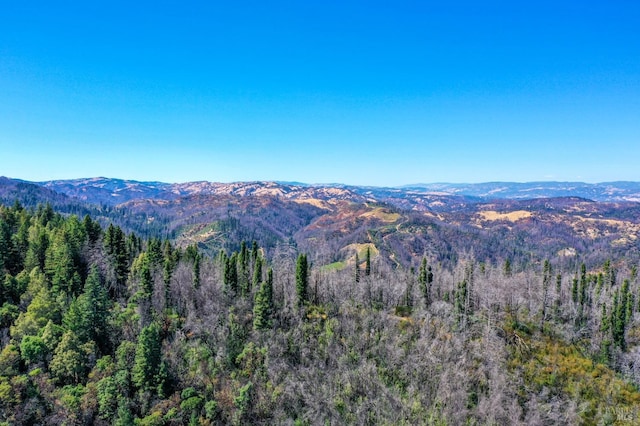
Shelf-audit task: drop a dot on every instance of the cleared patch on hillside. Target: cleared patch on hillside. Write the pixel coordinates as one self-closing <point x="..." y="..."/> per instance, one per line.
<point x="335" y="266"/>
<point x="491" y="215"/>
<point x="361" y="249"/>
<point x="382" y="214"/>
<point x="595" y="228"/>
<point x="314" y="202"/>
<point x="200" y="233"/>
<point x="567" y="252"/>
<point x="349" y="252"/>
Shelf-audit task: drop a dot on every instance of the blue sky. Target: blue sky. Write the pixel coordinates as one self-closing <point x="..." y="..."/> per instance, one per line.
<point x="377" y="93"/>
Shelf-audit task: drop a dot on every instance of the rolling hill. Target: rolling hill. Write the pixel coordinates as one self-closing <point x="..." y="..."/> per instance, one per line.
<point x="492" y="221"/>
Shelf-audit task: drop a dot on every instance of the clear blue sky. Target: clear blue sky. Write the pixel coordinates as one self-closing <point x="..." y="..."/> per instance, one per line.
<point x="379" y="93"/>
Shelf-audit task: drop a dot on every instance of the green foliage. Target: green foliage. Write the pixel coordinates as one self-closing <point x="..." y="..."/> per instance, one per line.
<point x="33" y="349"/>
<point x="95" y="308"/>
<point x="425" y="278"/>
<point x="196" y="272"/>
<point x="242" y="401"/>
<point x="89" y="337"/>
<point x="92" y="228"/>
<point x="142" y="270"/>
<point x="153" y="419"/>
<point x="263" y="306"/>
<point x="506" y="268"/>
<point x="9" y="361"/>
<point x="126" y="355"/>
<point x="621" y="315"/>
<point x="461" y="297"/>
<point x="367" y="262"/>
<point x="554" y="369"/>
<point x="43" y="308"/>
<point x="236" y="337"/>
<point x="107" y="389"/>
<point x="124" y="417"/>
<point x="71" y="396"/>
<point x="75" y="319"/>
<point x="251" y="360"/>
<point x="8" y="314"/>
<point x="148" y="356"/>
<point x="231" y="275"/>
<point x="193" y="404"/>
<point x="51" y="335"/>
<point x="302" y="280"/>
<point x="70" y="360"/>
<point x="211" y="410"/>
<point x="9" y="292"/>
<point x="116" y="250"/>
<point x="63" y="264"/>
<point x="38" y="244"/>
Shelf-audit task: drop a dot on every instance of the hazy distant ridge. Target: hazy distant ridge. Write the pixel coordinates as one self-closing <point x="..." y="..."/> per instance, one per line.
<point x="111" y="191"/>
<point x="605" y="191"/>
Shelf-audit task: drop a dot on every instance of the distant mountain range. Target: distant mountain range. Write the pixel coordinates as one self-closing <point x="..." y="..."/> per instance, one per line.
<point x="116" y="191"/>
<point x="496" y="220"/>
<point x="606" y="191"/>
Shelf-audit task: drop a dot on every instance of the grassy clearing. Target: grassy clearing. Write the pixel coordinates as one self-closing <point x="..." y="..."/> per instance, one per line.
<point x="361" y="249"/>
<point x="335" y="266"/>
<point x="382" y="214"/>
<point x="514" y="216"/>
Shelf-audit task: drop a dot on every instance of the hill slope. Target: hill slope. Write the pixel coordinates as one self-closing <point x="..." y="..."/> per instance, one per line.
<point x="403" y="224"/>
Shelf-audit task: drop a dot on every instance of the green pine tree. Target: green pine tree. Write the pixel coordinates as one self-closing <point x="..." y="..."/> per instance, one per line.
<point x="148" y="358"/>
<point x="424" y="281"/>
<point x="231" y="275"/>
<point x="302" y="280"/>
<point x="367" y="262"/>
<point x="262" y="308"/>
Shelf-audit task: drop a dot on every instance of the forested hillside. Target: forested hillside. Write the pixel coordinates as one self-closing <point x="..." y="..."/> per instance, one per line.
<point x="325" y="221"/>
<point x="100" y="326"/>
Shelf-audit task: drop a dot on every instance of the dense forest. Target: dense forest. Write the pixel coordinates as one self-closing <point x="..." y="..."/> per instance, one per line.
<point x="102" y="326"/>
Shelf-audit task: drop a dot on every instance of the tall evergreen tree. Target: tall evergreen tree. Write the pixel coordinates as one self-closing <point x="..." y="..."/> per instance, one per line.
<point x="6" y="245"/>
<point x="367" y="262"/>
<point x="148" y="358"/>
<point x="92" y="228"/>
<point x="254" y="250"/>
<point x="506" y="268"/>
<point x="262" y="307"/>
<point x="143" y="272"/>
<point x="96" y="309"/>
<point x="425" y="278"/>
<point x="236" y="337"/>
<point x="196" y="272"/>
<point x="37" y="250"/>
<point x="231" y="275"/>
<point x="60" y="265"/>
<point x="116" y="248"/>
<point x="302" y="280"/>
<point x="620" y="315"/>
